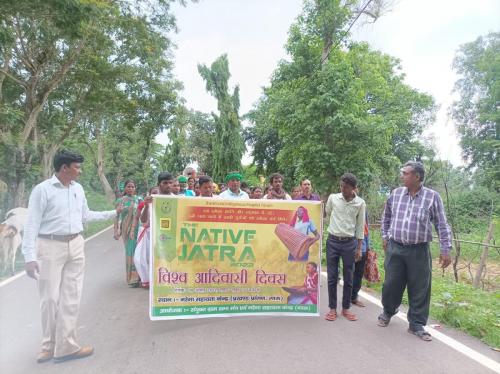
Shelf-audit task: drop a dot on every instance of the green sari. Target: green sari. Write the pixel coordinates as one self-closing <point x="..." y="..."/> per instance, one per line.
<point x="126" y="220"/>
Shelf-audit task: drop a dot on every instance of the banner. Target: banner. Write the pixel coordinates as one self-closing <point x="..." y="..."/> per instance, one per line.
<point x="216" y="258"/>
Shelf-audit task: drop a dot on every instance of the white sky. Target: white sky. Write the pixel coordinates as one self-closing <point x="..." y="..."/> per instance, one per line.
<point x="423" y="34"/>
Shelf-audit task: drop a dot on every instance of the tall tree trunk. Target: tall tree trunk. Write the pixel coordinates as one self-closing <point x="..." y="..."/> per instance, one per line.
<point x="47" y="161"/>
<point x="484" y="256"/>
<point x="110" y="195"/>
<point x="19" y="194"/>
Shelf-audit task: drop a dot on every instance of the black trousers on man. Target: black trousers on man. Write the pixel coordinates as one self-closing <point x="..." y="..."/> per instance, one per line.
<point x="408" y="266"/>
<point x="336" y="250"/>
<point x="359" y="271"/>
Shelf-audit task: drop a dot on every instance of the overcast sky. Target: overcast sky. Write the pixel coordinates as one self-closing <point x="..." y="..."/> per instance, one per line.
<point x="423" y="34"/>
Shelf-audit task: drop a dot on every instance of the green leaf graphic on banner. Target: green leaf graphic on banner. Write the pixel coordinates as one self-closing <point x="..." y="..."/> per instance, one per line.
<point x="166" y="228"/>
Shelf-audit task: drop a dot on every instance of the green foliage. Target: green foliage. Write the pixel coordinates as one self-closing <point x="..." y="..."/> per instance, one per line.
<point x="175" y="158"/>
<point x="251" y="175"/>
<point x="476" y="113"/>
<point x="95" y="71"/>
<point x="352" y="112"/>
<point x="472" y="208"/>
<point x="228" y="145"/>
<point x="201" y="139"/>
<point x="458" y="305"/>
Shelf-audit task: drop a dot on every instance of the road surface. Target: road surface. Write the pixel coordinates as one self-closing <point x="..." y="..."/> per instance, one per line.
<point x="114" y="319"/>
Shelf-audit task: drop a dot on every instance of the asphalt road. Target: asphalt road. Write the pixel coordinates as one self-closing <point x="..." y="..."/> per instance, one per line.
<point x="114" y="319"/>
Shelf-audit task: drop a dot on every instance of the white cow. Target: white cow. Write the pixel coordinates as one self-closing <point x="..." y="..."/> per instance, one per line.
<point x="11" y="237"/>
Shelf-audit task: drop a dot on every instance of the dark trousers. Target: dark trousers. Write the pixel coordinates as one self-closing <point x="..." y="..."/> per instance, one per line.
<point x="359" y="270"/>
<point x="408" y="266"/>
<point x="335" y="250"/>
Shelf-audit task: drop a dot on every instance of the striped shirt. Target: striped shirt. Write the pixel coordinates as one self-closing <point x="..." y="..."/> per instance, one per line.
<point x="409" y="220"/>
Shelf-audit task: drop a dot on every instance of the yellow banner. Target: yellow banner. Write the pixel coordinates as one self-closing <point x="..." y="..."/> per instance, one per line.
<point x="214" y="257"/>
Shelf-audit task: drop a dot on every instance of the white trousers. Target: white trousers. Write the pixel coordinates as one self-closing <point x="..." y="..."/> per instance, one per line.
<point x="60" y="286"/>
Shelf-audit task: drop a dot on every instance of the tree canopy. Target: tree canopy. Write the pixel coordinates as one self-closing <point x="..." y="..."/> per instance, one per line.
<point x="476" y="112"/>
<point x="89" y="69"/>
<point x="346" y="109"/>
<point x="227" y="144"/>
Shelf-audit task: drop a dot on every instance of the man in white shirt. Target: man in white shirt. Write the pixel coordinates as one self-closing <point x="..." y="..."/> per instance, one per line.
<point x="234" y="192"/>
<point x="53" y="250"/>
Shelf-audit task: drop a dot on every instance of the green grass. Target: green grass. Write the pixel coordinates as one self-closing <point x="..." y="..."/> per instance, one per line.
<point x="458" y="305"/>
<point x="97" y="202"/>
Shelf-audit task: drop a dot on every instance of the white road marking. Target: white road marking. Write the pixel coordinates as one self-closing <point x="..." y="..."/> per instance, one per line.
<point x="450" y="342"/>
<point x="20" y="274"/>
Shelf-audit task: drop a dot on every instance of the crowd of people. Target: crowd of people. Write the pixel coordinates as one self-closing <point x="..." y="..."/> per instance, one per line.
<point x="53" y="247"/>
<point x="190" y="184"/>
<point x="132" y="226"/>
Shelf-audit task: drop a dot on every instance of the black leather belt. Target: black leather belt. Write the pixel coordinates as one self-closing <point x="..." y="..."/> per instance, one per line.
<point x="342" y="238"/>
<point x="59" y="238"/>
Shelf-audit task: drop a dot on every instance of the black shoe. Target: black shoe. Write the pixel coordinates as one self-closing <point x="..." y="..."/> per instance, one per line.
<point x="383" y="320"/>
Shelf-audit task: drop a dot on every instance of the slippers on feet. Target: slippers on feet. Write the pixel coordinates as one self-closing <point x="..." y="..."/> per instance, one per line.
<point x="350" y="316"/>
<point x="422" y="334"/>
<point x="358" y="303"/>
<point x="331" y="316"/>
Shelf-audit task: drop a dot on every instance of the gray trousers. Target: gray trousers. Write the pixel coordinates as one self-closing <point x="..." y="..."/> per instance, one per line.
<point x="408" y="266"/>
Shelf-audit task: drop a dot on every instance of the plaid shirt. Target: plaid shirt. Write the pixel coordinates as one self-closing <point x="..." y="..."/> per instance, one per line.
<point x="408" y="220"/>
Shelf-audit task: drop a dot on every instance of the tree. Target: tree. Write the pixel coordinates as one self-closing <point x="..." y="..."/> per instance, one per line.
<point x="476" y="113"/>
<point x="200" y="141"/>
<point x="228" y="145"/>
<point x="263" y="138"/>
<point x="92" y="68"/>
<point x="176" y="155"/>
<point x="335" y="108"/>
<point x="40" y="42"/>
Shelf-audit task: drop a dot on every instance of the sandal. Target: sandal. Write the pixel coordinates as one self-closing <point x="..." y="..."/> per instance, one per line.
<point x="422" y="334"/>
<point x="350" y="316"/>
<point x="358" y="303"/>
<point x="383" y="320"/>
<point x="331" y="316"/>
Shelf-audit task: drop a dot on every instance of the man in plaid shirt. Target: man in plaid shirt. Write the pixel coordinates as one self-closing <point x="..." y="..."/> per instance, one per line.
<point x="409" y="214"/>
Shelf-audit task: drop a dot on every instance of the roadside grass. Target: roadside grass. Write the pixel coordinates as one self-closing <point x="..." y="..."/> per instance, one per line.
<point x="458" y="305"/>
<point x="97" y="202"/>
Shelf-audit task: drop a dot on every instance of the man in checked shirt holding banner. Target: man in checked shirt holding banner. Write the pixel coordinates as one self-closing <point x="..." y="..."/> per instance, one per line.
<point x="407" y="223"/>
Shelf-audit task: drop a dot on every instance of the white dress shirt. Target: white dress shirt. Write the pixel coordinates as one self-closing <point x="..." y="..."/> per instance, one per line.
<point x="228" y="194"/>
<point x="56" y="209"/>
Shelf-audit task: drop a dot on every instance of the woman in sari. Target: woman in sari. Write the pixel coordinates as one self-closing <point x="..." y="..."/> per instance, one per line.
<point x="141" y="256"/>
<point x="126" y="227"/>
<point x="303" y="224"/>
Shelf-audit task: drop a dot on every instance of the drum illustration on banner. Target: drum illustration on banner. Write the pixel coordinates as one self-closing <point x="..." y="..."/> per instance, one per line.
<point x="218" y="258"/>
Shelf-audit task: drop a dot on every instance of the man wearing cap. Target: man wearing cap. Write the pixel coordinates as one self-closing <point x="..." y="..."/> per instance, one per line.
<point x="53" y="250"/>
<point x="234" y="192"/>
<point x="183" y="186"/>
